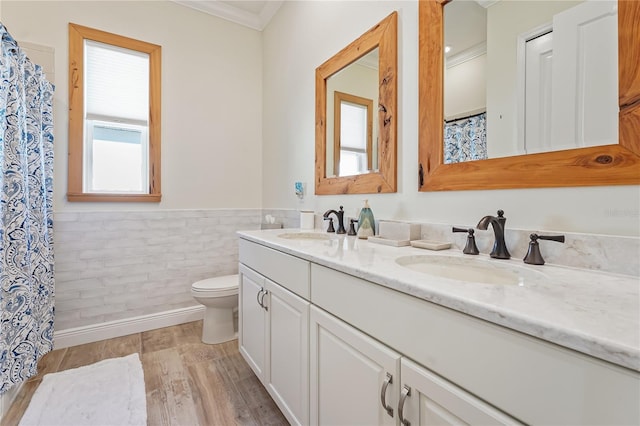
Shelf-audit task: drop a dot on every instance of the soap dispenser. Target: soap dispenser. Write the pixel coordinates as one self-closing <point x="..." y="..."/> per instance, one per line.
<point x="366" y="223"/>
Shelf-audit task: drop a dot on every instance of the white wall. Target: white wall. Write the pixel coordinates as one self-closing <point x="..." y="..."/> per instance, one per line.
<point x="305" y="34"/>
<point x="211" y="96"/>
<point x="465" y="88"/>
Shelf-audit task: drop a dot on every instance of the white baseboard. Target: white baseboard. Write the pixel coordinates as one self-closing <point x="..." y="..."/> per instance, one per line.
<point x="7" y="398"/>
<point x="108" y="330"/>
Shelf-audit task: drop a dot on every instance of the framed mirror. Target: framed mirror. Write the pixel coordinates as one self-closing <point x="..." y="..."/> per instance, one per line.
<point x="608" y="164"/>
<point x="356" y="107"/>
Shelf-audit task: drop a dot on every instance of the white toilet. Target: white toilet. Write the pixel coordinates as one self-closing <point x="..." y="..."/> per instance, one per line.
<point x="219" y="296"/>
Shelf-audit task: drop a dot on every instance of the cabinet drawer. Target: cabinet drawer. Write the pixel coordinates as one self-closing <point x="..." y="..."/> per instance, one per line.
<point x="532" y="380"/>
<point x="290" y="272"/>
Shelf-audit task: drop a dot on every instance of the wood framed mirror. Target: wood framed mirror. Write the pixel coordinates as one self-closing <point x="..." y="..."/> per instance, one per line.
<point x="380" y="179"/>
<point x="617" y="164"/>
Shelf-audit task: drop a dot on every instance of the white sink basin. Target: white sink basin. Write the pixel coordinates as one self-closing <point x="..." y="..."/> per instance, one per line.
<point x="305" y="236"/>
<point x="470" y="269"/>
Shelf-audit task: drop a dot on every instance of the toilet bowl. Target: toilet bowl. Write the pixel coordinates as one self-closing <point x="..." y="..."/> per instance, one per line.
<point x="219" y="296"/>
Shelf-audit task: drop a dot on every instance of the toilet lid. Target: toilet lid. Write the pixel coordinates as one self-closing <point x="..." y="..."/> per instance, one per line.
<point x="224" y="284"/>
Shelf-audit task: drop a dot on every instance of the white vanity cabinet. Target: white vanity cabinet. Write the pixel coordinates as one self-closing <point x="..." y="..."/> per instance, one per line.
<point x="356" y="380"/>
<point x="352" y="375"/>
<point x="274" y="328"/>
<point x="288" y="352"/>
<point x="253" y="321"/>
<point x="335" y="349"/>
<point x="526" y="379"/>
<point x="427" y="399"/>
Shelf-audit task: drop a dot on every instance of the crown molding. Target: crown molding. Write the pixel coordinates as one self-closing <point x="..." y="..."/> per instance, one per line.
<point x="234" y="14"/>
<point x="487" y="3"/>
<point x="466" y="55"/>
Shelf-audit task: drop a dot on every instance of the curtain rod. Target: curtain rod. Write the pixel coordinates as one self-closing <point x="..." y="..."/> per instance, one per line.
<point x="464" y="117"/>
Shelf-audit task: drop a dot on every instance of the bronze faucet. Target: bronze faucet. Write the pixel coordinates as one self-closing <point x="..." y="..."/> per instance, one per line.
<point x="499" y="246"/>
<point x="340" y="215"/>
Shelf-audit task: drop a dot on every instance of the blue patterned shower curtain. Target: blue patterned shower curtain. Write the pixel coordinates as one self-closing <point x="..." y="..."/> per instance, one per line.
<point x="465" y="139"/>
<point x="26" y="215"/>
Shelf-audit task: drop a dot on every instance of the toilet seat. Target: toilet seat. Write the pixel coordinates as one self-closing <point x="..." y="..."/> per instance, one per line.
<point x="216" y="287"/>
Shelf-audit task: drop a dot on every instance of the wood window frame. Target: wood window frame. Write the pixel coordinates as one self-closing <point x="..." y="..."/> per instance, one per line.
<point x="75" y="192"/>
<point x="338" y="98"/>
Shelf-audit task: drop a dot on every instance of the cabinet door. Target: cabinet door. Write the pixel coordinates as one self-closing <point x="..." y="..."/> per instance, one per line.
<point x="288" y="343"/>
<point x="348" y="373"/>
<point x="427" y="399"/>
<point x="253" y="321"/>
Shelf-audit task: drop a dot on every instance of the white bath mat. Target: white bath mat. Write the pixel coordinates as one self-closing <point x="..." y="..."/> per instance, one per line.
<point x="107" y="393"/>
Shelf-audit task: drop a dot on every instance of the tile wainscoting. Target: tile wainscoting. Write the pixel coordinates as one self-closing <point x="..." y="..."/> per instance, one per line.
<point x="113" y="266"/>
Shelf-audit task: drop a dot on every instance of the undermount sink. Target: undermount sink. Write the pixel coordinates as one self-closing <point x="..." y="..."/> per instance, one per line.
<point x="305" y="236"/>
<point x="470" y="270"/>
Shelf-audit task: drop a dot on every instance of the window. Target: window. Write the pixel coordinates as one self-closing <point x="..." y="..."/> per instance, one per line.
<point x="353" y="134"/>
<point x="114" y="117"/>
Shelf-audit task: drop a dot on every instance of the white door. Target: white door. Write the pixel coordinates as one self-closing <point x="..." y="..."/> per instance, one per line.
<point x="537" y="123"/>
<point x="253" y="321"/>
<point x="427" y="399"/>
<point x="585" y="75"/>
<point x="352" y="375"/>
<point x="288" y="372"/>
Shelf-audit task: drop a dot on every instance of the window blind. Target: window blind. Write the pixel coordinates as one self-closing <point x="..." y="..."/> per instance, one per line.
<point x="117" y="83"/>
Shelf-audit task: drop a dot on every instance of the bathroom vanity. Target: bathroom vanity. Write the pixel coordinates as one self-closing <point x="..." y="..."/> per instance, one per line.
<point x="343" y="331"/>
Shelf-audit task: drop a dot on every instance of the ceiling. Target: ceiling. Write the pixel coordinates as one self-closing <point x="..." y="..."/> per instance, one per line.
<point x="252" y="14"/>
<point x="467" y="15"/>
<point x="465" y="26"/>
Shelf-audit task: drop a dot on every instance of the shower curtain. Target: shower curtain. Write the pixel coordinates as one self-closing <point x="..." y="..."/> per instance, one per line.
<point x="465" y="139"/>
<point x="26" y="216"/>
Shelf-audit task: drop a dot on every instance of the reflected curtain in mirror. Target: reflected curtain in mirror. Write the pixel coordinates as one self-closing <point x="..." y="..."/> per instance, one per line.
<point x="465" y="139"/>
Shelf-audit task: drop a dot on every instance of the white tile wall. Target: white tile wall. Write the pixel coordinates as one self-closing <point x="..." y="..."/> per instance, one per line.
<point x="118" y="265"/>
<point x="288" y="218"/>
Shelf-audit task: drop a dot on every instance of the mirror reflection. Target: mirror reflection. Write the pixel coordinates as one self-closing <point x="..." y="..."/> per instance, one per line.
<point x="352" y="96"/>
<point x="529" y="76"/>
<point x="356" y="146"/>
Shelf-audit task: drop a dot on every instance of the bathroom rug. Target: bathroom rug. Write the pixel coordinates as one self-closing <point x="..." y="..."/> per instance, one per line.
<point x="109" y="392"/>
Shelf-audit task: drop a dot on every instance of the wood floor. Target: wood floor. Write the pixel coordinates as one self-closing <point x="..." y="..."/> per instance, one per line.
<point x="187" y="382"/>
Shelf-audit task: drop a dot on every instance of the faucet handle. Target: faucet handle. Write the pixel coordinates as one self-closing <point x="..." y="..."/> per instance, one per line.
<point x="534" y="257"/>
<point x="470" y="247"/>
<point x="558" y="238"/>
<point x="330" y="228"/>
<point x="352" y="228"/>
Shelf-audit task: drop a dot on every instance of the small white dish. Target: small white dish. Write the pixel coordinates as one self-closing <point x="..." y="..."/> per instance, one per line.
<point x="430" y="245"/>
<point x="388" y="241"/>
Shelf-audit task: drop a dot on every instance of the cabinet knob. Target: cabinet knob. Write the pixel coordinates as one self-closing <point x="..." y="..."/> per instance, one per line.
<point x="383" y="395"/>
<point x="406" y="392"/>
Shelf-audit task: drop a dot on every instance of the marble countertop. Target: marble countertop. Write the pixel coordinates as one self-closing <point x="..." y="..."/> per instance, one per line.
<point x="591" y="312"/>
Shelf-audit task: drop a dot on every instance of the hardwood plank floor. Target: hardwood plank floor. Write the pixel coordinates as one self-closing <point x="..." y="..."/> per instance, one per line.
<point x="188" y="383"/>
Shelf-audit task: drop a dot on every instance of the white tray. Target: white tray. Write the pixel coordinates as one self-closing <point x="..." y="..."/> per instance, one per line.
<point x="430" y="245"/>
<point x="388" y="241"/>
